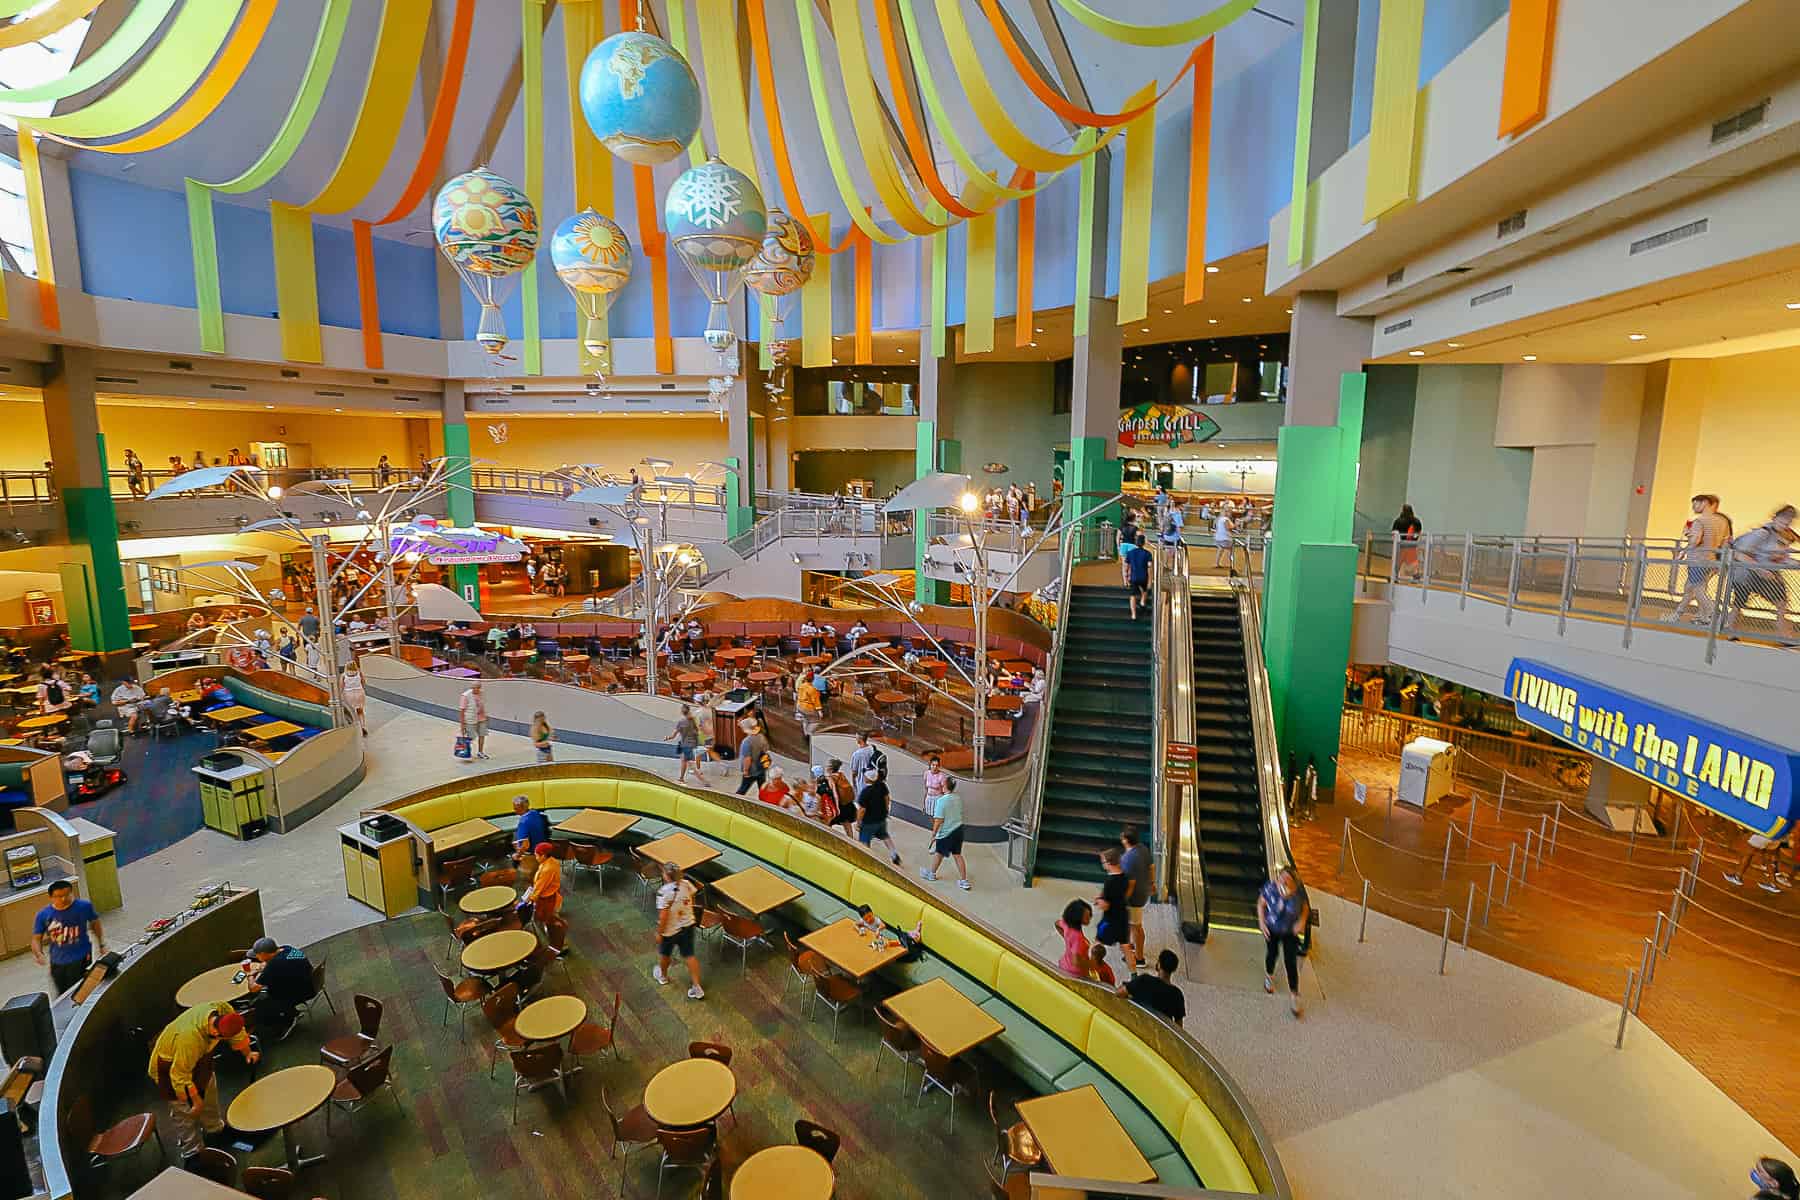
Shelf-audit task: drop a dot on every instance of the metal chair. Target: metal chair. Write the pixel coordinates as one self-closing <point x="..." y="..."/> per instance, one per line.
<point x="634" y="1130"/>
<point x="501" y="1008"/>
<point x="364" y="1079"/>
<point x="269" y="1183"/>
<point x="354" y="1047"/>
<point x="455" y="874"/>
<point x="804" y="966"/>
<point x="836" y="993"/>
<point x="118" y="1142"/>
<point x="463" y="994"/>
<point x="593" y="858"/>
<point x="741" y="932"/>
<point x="1018" y="1148"/>
<point x="319" y="992"/>
<point x="951" y="1076"/>
<point x="649" y="873"/>
<point x="535" y="1068"/>
<point x="816" y="1137"/>
<point x="209" y="1163"/>
<point x="693" y="1148"/>
<point x="590" y="1037"/>
<point x="899" y="1041"/>
<point x="500" y="877"/>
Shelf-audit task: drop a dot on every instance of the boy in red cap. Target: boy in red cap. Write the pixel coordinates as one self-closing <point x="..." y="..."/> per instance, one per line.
<point x="181" y="1065"/>
<point x="545" y="892"/>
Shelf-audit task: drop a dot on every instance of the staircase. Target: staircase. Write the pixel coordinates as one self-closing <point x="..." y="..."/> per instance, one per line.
<point x="1098" y="772"/>
<point x="1227" y="805"/>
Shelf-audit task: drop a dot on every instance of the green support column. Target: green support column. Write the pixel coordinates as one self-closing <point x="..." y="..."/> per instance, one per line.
<point x="930" y="453"/>
<point x="459" y="504"/>
<point x="1090" y="470"/>
<point x="94" y="583"/>
<point x="1310" y="570"/>
<point x="740" y="489"/>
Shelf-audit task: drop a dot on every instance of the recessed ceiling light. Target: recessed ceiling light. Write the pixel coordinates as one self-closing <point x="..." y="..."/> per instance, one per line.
<point x="1212" y="320"/>
<point x="1034" y="343"/>
<point x="1637" y="337"/>
<point x="1530" y="357"/>
<point x="1416" y="353"/>
<point x="1144" y="329"/>
<point x="1454" y="345"/>
<point x="1038" y="329"/>
<point x="1249" y="299"/>
<point x="1290" y="312"/>
<point x="1212" y="270"/>
<point x="337" y="410"/>
<point x="1167" y="311"/>
<point x="1795" y="305"/>
<point x="268" y="406"/>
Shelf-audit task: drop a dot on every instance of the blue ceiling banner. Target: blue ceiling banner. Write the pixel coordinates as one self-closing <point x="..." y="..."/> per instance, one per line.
<point x="1742" y="778"/>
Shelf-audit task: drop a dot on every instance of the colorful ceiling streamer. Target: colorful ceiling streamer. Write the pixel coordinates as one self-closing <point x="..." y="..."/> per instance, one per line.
<point x="584" y="26"/>
<point x="135" y="30"/>
<point x="1027" y="273"/>
<point x="532" y="17"/>
<point x="1394" y="120"/>
<point x="1525" y="84"/>
<point x="1309" y="71"/>
<point x="1191" y="30"/>
<point x="1199" y="174"/>
<point x="53" y="18"/>
<point x="49" y="309"/>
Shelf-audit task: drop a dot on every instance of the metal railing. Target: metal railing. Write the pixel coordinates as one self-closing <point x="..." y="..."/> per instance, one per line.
<point x="1277" y="850"/>
<point x="1636" y="583"/>
<point x="1177" y="825"/>
<point x="1384" y="732"/>
<point x="1022" y="827"/>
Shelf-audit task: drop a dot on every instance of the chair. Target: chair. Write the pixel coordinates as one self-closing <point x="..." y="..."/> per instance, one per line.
<point x="319" y="992"/>
<point x="216" y="1165"/>
<point x="708" y="921"/>
<point x="457" y="873"/>
<point x="119" y="1142"/>
<point x="461" y="932"/>
<point x="463" y="994"/>
<point x="816" y="1137"/>
<point x="556" y="937"/>
<point x="590" y="1037"/>
<point x="500" y="877"/>
<point x="803" y="965"/>
<point x="530" y="973"/>
<point x="364" y="1079"/>
<point x="535" y="1068"/>
<point x="686" y="1148"/>
<point x="649" y="873"/>
<point x="1008" y="1187"/>
<point x="741" y="932"/>
<point x="951" y="1076"/>
<point x="634" y="1130"/>
<point x="269" y="1183"/>
<point x="501" y="1008"/>
<point x="899" y="1041"/>
<point x="1018" y="1147"/>
<point x="592" y="858"/>
<point x="354" y="1047"/>
<point x="836" y="993"/>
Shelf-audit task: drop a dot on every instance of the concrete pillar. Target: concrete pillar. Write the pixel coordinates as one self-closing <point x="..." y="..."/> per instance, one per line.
<point x="1094" y="396"/>
<point x="740" y="456"/>
<point x="59" y="213"/>
<point x="936" y="449"/>
<point x="459" y="506"/>
<point x="1322" y="346"/>
<point x="93" y="580"/>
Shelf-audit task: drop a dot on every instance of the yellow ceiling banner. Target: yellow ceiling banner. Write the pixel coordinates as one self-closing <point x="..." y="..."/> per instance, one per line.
<point x="1394" y="123"/>
<point x="815" y="301"/>
<point x="978" y="285"/>
<point x="940" y="289"/>
<point x="1194" y="29"/>
<point x="1134" y="221"/>
<point x="696" y="150"/>
<point x="531" y="94"/>
<point x="30" y="166"/>
<point x="725" y="89"/>
<point x="53" y="18"/>
<point x="865" y="116"/>
<point x="296" y="284"/>
<point x="584" y="26"/>
<point x="834" y="150"/>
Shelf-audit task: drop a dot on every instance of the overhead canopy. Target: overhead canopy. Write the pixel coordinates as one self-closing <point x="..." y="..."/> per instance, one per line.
<point x="937" y="490"/>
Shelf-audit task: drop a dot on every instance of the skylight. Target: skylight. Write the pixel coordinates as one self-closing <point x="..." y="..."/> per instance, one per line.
<point x="31" y="65"/>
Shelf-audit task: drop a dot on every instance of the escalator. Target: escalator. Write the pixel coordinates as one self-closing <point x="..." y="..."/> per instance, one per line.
<point x="1099" y="769"/>
<point x="1227" y="801"/>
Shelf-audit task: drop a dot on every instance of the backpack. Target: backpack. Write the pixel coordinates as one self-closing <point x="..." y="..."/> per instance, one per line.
<point x="53" y="692"/>
<point x="878" y="762"/>
<point x="828" y="805"/>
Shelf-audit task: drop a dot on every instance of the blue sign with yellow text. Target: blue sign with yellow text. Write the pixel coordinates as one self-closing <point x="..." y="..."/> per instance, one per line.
<point x="1747" y="780"/>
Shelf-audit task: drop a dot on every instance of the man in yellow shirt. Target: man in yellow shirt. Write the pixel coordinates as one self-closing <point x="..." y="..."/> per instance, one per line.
<point x="545" y="892"/>
<point x="181" y="1065"/>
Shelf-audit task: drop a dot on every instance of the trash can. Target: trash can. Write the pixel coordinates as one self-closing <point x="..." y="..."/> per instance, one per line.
<point x="1427" y="771"/>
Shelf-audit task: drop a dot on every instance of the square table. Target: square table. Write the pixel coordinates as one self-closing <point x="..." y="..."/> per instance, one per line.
<point x="272" y="730"/>
<point x="453" y="837"/>
<point x="945" y="1019"/>
<point x="684" y="850"/>
<point x="176" y="1184"/>
<point x="1081" y="1137"/>
<point x="847" y="948"/>
<point x="234" y="712"/>
<point x="602" y="823"/>
<point x="187" y="696"/>
<point x="756" y="890"/>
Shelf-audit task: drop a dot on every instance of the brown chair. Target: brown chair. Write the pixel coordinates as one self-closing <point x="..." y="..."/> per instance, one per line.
<point x="216" y="1165"/>
<point x="816" y="1137"/>
<point x="117" y="1143"/>
<point x="501" y="1008"/>
<point x="500" y="877"/>
<point x="718" y="1053"/>
<point x="649" y="873"/>
<point x="681" y="1148"/>
<point x="484" y="927"/>
<point x="804" y="965"/>
<point x="269" y="1183"/>
<point x="536" y="1068"/>
<point x="742" y="932"/>
<point x="951" y="1076"/>
<point x="319" y="992"/>
<point x="899" y="1041"/>
<point x="634" y="1130"/>
<point x="354" y="1047"/>
<point x="463" y="994"/>
<point x="454" y="875"/>
<point x="836" y="993"/>
<point x="364" y="1079"/>
<point x="461" y="932"/>
<point x="1018" y="1148"/>
<point x="592" y="858"/>
<point x="530" y="973"/>
<point x="707" y="921"/>
<point x="590" y="1037"/>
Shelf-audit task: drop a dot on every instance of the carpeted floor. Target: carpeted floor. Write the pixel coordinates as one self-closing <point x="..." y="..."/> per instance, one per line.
<point x="455" y="1136"/>
<point x="159" y="803"/>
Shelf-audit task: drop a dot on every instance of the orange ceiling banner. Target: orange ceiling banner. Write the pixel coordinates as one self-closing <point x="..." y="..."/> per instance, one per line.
<point x="366" y="298"/>
<point x="650" y="238"/>
<point x="53" y="17"/>
<point x="1199" y="170"/>
<point x="1525" y="84"/>
<point x="1023" y="312"/>
<point x="918" y="145"/>
<point x="1055" y="100"/>
<point x="778" y="147"/>
<point x="865" y="296"/>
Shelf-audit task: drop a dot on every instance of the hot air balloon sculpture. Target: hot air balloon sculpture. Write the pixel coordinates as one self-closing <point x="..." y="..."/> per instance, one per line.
<point x="640" y="97"/>
<point x="780" y="269"/>
<point x="488" y="230"/>
<point x="716" y="221"/>
<point x="592" y="256"/>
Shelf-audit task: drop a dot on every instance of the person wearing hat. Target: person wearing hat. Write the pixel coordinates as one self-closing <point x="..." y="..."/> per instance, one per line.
<point x="872" y="814"/>
<point x="545" y="892"/>
<point x="181" y="1065"/>
<point x="282" y="980"/>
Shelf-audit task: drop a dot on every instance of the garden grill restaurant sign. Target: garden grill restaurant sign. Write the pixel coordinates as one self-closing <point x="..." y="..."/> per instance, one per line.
<point x="1172" y="424"/>
<point x="444" y="545"/>
<point x="1749" y="781"/>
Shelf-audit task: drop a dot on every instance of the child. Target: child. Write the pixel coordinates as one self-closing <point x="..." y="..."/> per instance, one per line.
<point x="1076" y="956"/>
<point x="1115" y="917"/>
<point x="913" y="939"/>
<point x="542" y="737"/>
<point x="1102" y="972"/>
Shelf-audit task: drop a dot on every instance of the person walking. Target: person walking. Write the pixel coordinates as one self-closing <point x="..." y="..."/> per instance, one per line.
<point x="1222" y="537"/>
<point x="1410" y="529"/>
<point x="675" y="929"/>
<point x="134" y="474"/>
<point x="866" y="757"/>
<point x="545" y="893"/>
<point x="753" y="758"/>
<point x="1281" y="912"/>
<point x="356" y="697"/>
<point x="181" y="1066"/>
<point x="1137" y="575"/>
<point x="843" y="796"/>
<point x="1757" y="558"/>
<point x="872" y="814"/>
<point x="384" y="472"/>
<point x="309" y="624"/>
<point x="1128" y="538"/>
<point x="1114" y="928"/>
<point x="1171" y="529"/>
<point x="686" y="736"/>
<point x="1136" y="863"/>
<point x="472" y="718"/>
<point x="1076" y="957"/>
<point x="1707" y="531"/>
<point x="59" y="937"/>
<point x="946" y="830"/>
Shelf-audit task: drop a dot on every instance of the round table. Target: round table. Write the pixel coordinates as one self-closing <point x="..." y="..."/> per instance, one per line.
<point x="482" y="901"/>
<point x="690" y="678"/>
<point x="740" y="654"/>
<point x="936" y="668"/>
<point x="763" y="678"/>
<point x="550" y="1018"/>
<point x="1005" y="704"/>
<point x="277" y="1101"/>
<point x="813" y="660"/>
<point x="635" y="673"/>
<point x="689" y="1093"/>
<point x="783" y="1173"/>
<point x="498" y="951"/>
<point x="210" y="987"/>
<point x="47" y="721"/>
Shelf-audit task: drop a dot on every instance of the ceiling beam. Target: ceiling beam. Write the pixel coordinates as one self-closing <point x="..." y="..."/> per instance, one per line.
<point x="508" y="97"/>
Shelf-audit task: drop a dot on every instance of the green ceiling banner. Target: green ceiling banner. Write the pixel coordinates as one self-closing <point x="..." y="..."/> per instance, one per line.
<point x="144" y="19"/>
<point x="940" y="286"/>
<point x="1084" y="240"/>
<point x="532" y="54"/>
<point x="1194" y="29"/>
<point x="275" y="156"/>
<point x="978" y="285"/>
<point x="678" y="38"/>
<point x="1395" y="108"/>
<point x="1309" y="63"/>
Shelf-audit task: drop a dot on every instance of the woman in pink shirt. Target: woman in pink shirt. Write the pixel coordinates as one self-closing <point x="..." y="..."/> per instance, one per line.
<point x="1076" y="958"/>
<point x="935" y="779"/>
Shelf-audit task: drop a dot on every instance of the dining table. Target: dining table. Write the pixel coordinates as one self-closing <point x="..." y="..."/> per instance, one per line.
<point x="601" y="823"/>
<point x="689" y="1093"/>
<point x="756" y="890"/>
<point x="498" y="952"/>
<point x="212" y="986"/>
<point x="784" y="1173"/>
<point x="282" y="1100"/>
<point x="484" y="901"/>
<point x="945" y="1019"/>
<point x="850" y="949"/>
<point x="683" y="849"/>
<point x="550" y="1018"/>
<point x="1081" y="1137"/>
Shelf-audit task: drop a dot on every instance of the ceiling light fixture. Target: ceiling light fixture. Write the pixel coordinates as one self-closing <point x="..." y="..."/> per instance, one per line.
<point x="1794" y="306"/>
<point x="1530" y="357"/>
<point x="1212" y="270"/>
<point x="1637" y="337"/>
<point x="1212" y="320"/>
<point x="1144" y="329"/>
<point x="1416" y="353"/>
<point x="1249" y="300"/>
<point x="1454" y="345"/>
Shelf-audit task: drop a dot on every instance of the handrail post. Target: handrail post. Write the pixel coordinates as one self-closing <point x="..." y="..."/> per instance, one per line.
<point x="1512" y="850"/>
<point x="1468" y="915"/>
<point x="1487" y="906"/>
<point x="1543" y="821"/>
<point x="1525" y="859"/>
<point x="1634" y="592"/>
<point x="1363" y="929"/>
<point x="1449" y="836"/>
<point x="1650" y="949"/>
<point x="1500" y="804"/>
<point x="1394" y="560"/>
<point x="1425" y="568"/>
<point x="1555" y="825"/>
<point x="1624" y="1009"/>
<point x="1568" y="588"/>
<point x="1444" y="944"/>
<point x="1722" y="582"/>
<point x="1344" y="849"/>
<point x="1468" y="550"/>
<point x="1512" y="580"/>
<point x="1631" y="842"/>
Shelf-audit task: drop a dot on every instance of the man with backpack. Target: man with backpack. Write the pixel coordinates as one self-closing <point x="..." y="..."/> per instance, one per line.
<point x="865" y="758"/>
<point x="1757" y="559"/>
<point x="53" y="694"/>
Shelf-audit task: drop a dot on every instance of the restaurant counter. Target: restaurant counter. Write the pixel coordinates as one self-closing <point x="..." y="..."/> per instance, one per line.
<point x="98" y="1048"/>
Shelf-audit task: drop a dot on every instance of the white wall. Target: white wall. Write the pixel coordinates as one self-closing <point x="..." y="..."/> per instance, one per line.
<point x="1581" y="423"/>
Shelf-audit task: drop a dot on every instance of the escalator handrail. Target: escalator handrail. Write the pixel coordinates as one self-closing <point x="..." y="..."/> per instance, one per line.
<point x="1183" y="866"/>
<point x="1277" y="850"/>
<point x="1032" y="810"/>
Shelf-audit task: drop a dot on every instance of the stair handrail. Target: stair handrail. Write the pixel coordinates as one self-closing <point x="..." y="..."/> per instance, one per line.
<point x="1277" y="851"/>
<point x="1022" y="829"/>
<point x="1182" y="867"/>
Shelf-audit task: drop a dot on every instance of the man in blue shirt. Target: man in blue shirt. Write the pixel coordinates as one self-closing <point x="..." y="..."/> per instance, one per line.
<point x="533" y="827"/>
<point x="1282" y="911"/>
<point x="62" y="926"/>
<point x="1137" y="575"/>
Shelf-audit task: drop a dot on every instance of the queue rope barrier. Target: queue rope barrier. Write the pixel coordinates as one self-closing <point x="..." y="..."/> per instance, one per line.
<point x="1598" y="968"/>
<point x="1759" y="964"/>
<point x="1647" y="846"/>
<point x="1689" y="903"/>
<point x="1678" y="868"/>
<point x="1740" y="898"/>
<point x="1712" y="984"/>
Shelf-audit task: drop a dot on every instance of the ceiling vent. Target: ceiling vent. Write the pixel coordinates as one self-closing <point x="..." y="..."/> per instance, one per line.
<point x="124" y="379"/>
<point x="1669" y="237"/>
<point x="289" y="373"/>
<point x="1396" y="327"/>
<point x="1499" y="293"/>
<point x="1511" y="225"/>
<point x="1396" y="277"/>
<point x="495" y="401"/>
<point x="228" y="387"/>
<point x="517" y="387"/>
<point x="668" y="387"/>
<point x="1458" y="270"/>
<point x="1750" y="118"/>
<point x="638" y="399"/>
<point x="410" y="399"/>
<point x="378" y="379"/>
<point x="180" y="364"/>
<point x="565" y="399"/>
<point x="335" y="395"/>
